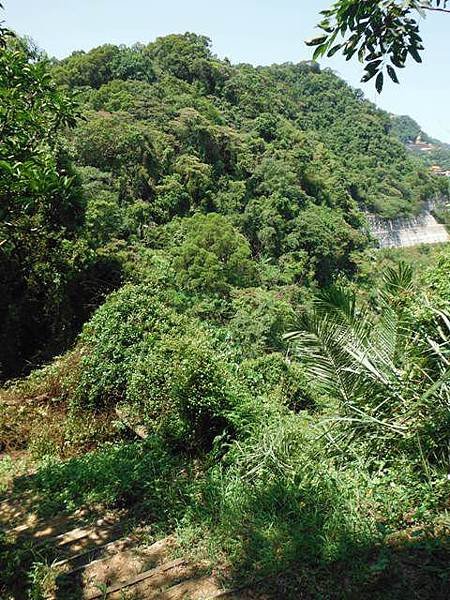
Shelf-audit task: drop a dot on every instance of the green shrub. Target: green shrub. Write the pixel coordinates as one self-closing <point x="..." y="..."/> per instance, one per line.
<point x="164" y="365"/>
<point x="42" y="578"/>
<point x="112" y="342"/>
<point x="283" y="382"/>
<point x="183" y="388"/>
<point x="276" y="499"/>
<point x="260" y="319"/>
<point x="103" y="219"/>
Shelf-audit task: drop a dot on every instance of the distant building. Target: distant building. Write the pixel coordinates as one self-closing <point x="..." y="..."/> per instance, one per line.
<point x="420" y="145"/>
<point x="437" y="170"/>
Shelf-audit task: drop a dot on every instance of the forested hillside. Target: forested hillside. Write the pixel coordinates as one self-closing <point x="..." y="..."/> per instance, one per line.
<point x="167" y="221"/>
<point x="231" y="120"/>
<point x="288" y="155"/>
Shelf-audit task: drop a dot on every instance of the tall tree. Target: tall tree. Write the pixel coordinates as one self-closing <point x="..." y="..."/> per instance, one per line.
<point x="41" y="206"/>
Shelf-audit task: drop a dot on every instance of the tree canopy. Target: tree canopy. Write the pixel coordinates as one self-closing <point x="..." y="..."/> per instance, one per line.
<point x="261" y="175"/>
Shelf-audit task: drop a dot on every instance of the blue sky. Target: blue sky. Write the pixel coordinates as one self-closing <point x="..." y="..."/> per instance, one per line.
<point x="253" y="31"/>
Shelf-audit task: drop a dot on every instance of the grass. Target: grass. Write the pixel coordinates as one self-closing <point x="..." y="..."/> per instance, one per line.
<point x="267" y="510"/>
<point x="116" y="475"/>
<point x="36" y="416"/>
<point x="12" y="468"/>
<point x="43" y="585"/>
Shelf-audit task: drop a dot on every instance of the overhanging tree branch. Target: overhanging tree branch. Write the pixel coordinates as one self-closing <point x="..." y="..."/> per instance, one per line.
<point x="435" y="9"/>
<point x="383" y="34"/>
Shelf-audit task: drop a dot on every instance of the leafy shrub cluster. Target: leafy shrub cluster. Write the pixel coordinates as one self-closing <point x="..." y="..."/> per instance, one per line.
<point x="116" y="337"/>
<point x="176" y="374"/>
<point x="162" y="364"/>
<point x="184" y="389"/>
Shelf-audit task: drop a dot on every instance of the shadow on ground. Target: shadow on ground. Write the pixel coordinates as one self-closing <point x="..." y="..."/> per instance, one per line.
<point x="277" y="528"/>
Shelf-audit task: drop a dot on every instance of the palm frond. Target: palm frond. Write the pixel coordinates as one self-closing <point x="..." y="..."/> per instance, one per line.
<point x="351" y="358"/>
<point x="397" y="280"/>
<point x="336" y="300"/>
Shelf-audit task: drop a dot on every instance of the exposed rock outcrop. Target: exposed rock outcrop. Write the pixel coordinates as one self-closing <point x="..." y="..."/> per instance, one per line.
<point x="403" y="232"/>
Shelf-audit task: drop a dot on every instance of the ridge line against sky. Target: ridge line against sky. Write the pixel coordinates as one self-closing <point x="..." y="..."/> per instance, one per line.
<point x="252" y="31"/>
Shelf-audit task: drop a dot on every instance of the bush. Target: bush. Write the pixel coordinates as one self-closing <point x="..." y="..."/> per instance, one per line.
<point x="183" y="388"/>
<point x="112" y="342"/>
<point x="278" y="380"/>
<point x="164" y="365"/>
<point x="276" y="499"/>
<point x="260" y="319"/>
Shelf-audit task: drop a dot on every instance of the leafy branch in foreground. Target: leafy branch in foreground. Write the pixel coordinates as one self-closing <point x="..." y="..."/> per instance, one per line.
<point x="4" y="32"/>
<point x="383" y="34"/>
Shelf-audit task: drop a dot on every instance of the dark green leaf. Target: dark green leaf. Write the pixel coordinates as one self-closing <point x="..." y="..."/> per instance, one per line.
<point x="379" y="82"/>
<point x="392" y="74"/>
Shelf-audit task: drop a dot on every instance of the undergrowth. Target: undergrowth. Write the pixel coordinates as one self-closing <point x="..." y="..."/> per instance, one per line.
<point x="249" y="460"/>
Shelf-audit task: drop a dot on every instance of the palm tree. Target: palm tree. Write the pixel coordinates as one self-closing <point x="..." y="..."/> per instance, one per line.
<point x="386" y="376"/>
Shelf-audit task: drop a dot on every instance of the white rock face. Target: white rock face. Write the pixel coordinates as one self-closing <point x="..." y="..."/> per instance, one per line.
<point x="400" y="233"/>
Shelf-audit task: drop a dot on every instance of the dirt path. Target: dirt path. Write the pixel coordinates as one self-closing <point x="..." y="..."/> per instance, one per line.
<point x="86" y="556"/>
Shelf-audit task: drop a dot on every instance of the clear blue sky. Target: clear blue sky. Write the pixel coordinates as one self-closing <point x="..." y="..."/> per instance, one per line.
<point x="253" y="31"/>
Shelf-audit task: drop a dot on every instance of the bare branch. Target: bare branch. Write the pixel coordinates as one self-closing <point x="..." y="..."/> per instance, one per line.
<point x="435" y="9"/>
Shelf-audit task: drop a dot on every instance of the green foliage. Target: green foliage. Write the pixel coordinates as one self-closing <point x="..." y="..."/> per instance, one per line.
<point x="390" y="381"/>
<point x="164" y="366"/>
<point x="213" y="257"/>
<point x="288" y="154"/>
<point x="42" y="258"/>
<point x="133" y="64"/>
<point x="182" y="388"/>
<point x="303" y="477"/>
<point x="437" y="153"/>
<point x="43" y="581"/>
<point x="95" y="68"/>
<point x="112" y="475"/>
<point x="208" y="137"/>
<point x="115" y="338"/>
<point x="436" y="283"/>
<point x="328" y="240"/>
<point x="377" y="32"/>
<point x="407" y="130"/>
<point x="103" y="219"/>
<point x="260" y="318"/>
<point x="188" y="57"/>
<point x="279" y="382"/>
<point x="270" y="494"/>
<point x="31" y="161"/>
<point x="225" y="197"/>
<point x="110" y="142"/>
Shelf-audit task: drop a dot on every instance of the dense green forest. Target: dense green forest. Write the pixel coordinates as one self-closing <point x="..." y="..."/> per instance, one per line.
<point x="287" y="155"/>
<point x="166" y="219"/>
